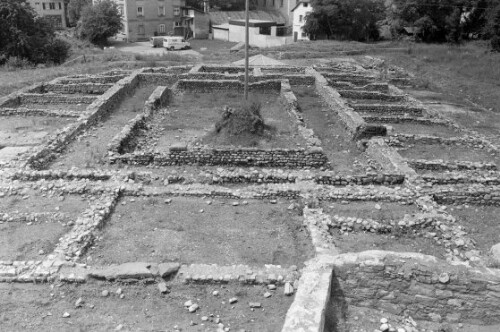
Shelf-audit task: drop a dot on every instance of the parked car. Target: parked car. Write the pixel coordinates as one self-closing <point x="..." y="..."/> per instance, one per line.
<point x="156" y="41"/>
<point x="175" y="43"/>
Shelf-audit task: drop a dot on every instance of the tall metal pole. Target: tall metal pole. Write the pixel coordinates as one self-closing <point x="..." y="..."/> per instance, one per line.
<point x="246" y="47"/>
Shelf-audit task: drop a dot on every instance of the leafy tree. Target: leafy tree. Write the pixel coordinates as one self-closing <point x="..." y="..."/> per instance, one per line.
<point x="75" y="8"/>
<point x="345" y="19"/>
<point x="25" y="36"/>
<point x="99" y="22"/>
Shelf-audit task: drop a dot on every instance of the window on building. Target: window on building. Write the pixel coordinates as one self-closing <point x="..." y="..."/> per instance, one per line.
<point x="304" y="34"/>
<point x="43" y="5"/>
<point x="140" y="11"/>
<point x="301" y="18"/>
<point x="161" y="28"/>
<point x="177" y="11"/>
<point x="281" y="3"/>
<point x="60" y="6"/>
<point x="52" y="5"/>
<point x="161" y="11"/>
<point x="177" y="24"/>
<point x="140" y="30"/>
<point x="306" y="4"/>
<point x="273" y="3"/>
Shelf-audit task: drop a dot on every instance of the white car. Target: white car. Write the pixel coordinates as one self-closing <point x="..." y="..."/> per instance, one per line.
<point x="175" y="43"/>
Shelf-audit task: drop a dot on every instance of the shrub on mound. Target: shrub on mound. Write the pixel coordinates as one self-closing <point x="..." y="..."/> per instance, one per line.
<point x="242" y="120"/>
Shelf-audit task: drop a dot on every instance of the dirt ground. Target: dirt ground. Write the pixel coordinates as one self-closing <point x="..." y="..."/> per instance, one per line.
<point x="481" y="223"/>
<point x="32" y="130"/>
<point x="447" y="153"/>
<point x="29" y="307"/>
<point x="190" y="118"/>
<point x="189" y="230"/>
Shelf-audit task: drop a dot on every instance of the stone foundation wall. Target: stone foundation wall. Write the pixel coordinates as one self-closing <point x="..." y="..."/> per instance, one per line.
<point x="405" y="119"/>
<point x="388" y="158"/>
<point x="361" y="94"/>
<point x="21" y="111"/>
<point x="422" y="286"/>
<point x="440" y="165"/>
<point x="459" y="197"/>
<point x="388" y="109"/>
<point x="203" y="86"/>
<point x="362" y="180"/>
<point x="91" y="79"/>
<point x="46" y="98"/>
<point x="222" y="69"/>
<point x="241" y="157"/>
<point x="71" y="88"/>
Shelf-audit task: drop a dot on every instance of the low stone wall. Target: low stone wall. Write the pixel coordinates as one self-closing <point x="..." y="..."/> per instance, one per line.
<point x="269" y="86"/>
<point x="14" y="99"/>
<point x="361" y="94"/>
<point x="283" y="70"/>
<point x="405" y="119"/>
<point x="400" y="140"/>
<point x="379" y="87"/>
<point x="358" y="80"/>
<point x="101" y="79"/>
<point x="440" y="165"/>
<point x="457" y="196"/>
<point x="168" y="70"/>
<point x="159" y="98"/>
<point x="462" y="178"/>
<point x="71" y="88"/>
<point x="290" y="158"/>
<point x="54" y="98"/>
<point x="422" y="286"/>
<point x="22" y="111"/>
<point x="354" y="123"/>
<point x="361" y="180"/>
<point x="91" y="174"/>
<point x="222" y="69"/>
<point x="388" y="109"/>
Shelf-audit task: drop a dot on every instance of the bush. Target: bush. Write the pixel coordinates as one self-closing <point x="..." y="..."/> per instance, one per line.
<point x="495" y="43"/>
<point x="242" y="120"/>
<point x="57" y="51"/>
<point x="15" y="62"/>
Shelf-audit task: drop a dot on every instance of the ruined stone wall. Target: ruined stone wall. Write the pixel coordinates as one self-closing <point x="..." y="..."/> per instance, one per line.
<point x="269" y="86"/>
<point x="419" y="285"/>
<point x="43" y="98"/>
<point x="72" y="88"/>
<point x="290" y="158"/>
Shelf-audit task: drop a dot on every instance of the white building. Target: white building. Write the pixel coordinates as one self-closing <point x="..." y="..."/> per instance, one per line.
<point x="300" y="12"/>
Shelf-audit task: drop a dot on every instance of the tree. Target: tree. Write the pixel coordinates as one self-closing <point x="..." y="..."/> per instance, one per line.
<point x="25" y="36"/>
<point x="345" y="19"/>
<point x="75" y="8"/>
<point x="99" y="22"/>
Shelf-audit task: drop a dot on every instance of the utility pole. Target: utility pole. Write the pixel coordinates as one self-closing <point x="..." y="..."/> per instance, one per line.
<point x="246" y="47"/>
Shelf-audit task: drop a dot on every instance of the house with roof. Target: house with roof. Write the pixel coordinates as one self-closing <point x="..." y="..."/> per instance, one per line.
<point x="53" y="10"/>
<point x="283" y="6"/>
<point x="300" y="11"/>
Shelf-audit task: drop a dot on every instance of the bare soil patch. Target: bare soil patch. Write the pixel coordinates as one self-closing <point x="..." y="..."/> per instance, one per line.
<point x="34" y="307"/>
<point x="447" y="153"/>
<point x="32" y="130"/>
<point x="343" y="154"/>
<point x="20" y="241"/>
<point x="90" y="149"/>
<point x="191" y="231"/>
<point x="481" y="223"/>
<point x="34" y="202"/>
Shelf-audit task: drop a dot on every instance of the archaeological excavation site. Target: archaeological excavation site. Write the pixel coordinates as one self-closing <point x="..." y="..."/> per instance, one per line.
<point x="157" y="199"/>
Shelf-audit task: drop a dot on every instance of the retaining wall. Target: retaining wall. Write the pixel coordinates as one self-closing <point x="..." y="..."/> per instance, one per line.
<point x="269" y="86"/>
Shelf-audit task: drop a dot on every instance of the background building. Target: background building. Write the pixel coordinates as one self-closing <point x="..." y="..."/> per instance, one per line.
<point x="53" y="10"/>
<point x="300" y="11"/>
<point x="283" y="6"/>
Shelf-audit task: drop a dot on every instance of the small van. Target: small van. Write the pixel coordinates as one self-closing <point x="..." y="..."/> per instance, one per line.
<point x="156" y="41"/>
<point x="175" y="43"/>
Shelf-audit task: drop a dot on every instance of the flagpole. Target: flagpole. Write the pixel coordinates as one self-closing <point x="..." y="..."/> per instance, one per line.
<point x="246" y="47"/>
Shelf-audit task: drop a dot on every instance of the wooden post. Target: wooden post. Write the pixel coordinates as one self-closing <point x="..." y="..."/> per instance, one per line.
<point x="246" y="47"/>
